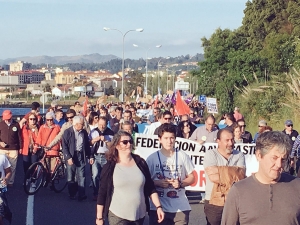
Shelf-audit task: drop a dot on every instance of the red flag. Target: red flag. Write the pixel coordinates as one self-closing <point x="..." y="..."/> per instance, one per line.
<point x="181" y="108"/>
<point x="85" y="104"/>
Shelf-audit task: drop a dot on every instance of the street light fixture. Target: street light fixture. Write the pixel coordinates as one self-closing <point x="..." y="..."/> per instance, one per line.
<point x="123" y="59"/>
<point x="157" y="46"/>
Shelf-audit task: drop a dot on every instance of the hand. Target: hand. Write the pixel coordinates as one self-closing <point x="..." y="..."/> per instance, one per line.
<point x="92" y="161"/>
<point x="164" y="183"/>
<point x="160" y="215"/>
<point x="70" y="162"/>
<point x="101" y="138"/>
<point x="4" y="181"/>
<point x="201" y="142"/>
<point x="175" y="183"/>
<point x="20" y="151"/>
<point x="292" y="163"/>
<point x="2" y="144"/>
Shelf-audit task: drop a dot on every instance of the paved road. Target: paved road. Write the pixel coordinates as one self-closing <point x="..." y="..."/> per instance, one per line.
<point x="57" y="209"/>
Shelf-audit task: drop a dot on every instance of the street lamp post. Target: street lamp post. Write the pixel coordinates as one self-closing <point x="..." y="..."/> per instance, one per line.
<point x="123" y="59"/>
<point x="157" y="46"/>
<point x="158" y="72"/>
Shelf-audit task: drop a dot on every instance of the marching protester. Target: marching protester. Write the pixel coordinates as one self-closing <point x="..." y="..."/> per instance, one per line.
<point x="152" y="127"/>
<point x="229" y="121"/>
<point x="171" y="170"/>
<point x="76" y="149"/>
<point x="128" y="176"/>
<point x="135" y="117"/>
<point x="193" y="116"/>
<point x="261" y="128"/>
<point x="292" y="134"/>
<point x="166" y="118"/>
<point x="272" y="189"/>
<point x="11" y="142"/>
<point x="59" y="118"/>
<point x="237" y="132"/>
<point x="155" y="116"/>
<point x="115" y="122"/>
<point x="100" y="139"/>
<point x="237" y="115"/>
<point x="206" y="133"/>
<point x="29" y="135"/>
<point x="246" y="135"/>
<point x="223" y="166"/>
<point x="46" y="135"/>
<point x="35" y="108"/>
<point x="184" y="130"/>
<point x="93" y="120"/>
<point x="127" y="117"/>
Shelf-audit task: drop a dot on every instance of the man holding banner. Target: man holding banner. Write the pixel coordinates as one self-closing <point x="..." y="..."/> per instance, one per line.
<point x="171" y="170"/>
<point x="222" y="162"/>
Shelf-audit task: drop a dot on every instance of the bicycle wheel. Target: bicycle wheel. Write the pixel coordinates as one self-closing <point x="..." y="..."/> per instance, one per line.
<point x="59" y="180"/>
<point x="34" y="178"/>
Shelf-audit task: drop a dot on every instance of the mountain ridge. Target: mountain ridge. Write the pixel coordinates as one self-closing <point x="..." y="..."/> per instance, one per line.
<point x="60" y="60"/>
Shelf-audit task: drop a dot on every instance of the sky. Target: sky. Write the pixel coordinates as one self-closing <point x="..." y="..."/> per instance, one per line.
<point x="75" y="27"/>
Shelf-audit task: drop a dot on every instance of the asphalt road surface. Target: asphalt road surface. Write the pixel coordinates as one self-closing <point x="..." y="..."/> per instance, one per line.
<point x="50" y="208"/>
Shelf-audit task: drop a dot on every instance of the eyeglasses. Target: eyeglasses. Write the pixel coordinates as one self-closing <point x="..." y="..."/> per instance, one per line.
<point x="70" y="117"/>
<point x="32" y="118"/>
<point x="289" y="125"/>
<point x="260" y="126"/>
<point x="96" y="117"/>
<point x="49" y="119"/>
<point x="243" y="126"/>
<point x="125" y="142"/>
<point x="167" y="118"/>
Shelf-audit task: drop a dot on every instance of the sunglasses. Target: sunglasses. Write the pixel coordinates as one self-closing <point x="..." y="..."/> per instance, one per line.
<point x="289" y="125"/>
<point x="243" y="126"/>
<point x="32" y="118"/>
<point x="49" y="119"/>
<point x="70" y="117"/>
<point x="125" y="142"/>
<point x="96" y="117"/>
<point x="167" y="118"/>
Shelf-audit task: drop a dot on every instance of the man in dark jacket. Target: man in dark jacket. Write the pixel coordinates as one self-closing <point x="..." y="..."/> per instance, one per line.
<point x="10" y="141"/>
<point x="76" y="148"/>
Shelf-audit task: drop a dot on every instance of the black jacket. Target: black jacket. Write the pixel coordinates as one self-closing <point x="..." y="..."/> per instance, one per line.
<point x="106" y="188"/>
<point x="69" y="144"/>
<point x="107" y="131"/>
<point x="11" y="135"/>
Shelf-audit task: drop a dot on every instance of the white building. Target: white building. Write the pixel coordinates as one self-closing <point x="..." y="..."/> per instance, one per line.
<point x="19" y="66"/>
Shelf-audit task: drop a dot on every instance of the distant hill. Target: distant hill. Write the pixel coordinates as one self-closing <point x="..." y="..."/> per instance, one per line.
<point x="61" y="60"/>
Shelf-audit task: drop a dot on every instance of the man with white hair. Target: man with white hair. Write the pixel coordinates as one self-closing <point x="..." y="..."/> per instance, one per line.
<point x="76" y="149"/>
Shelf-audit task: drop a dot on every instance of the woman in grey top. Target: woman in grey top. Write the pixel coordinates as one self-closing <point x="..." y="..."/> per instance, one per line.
<point x="125" y="186"/>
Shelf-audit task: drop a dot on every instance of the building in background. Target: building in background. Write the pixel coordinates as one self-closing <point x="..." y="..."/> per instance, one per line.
<point x="19" y="66"/>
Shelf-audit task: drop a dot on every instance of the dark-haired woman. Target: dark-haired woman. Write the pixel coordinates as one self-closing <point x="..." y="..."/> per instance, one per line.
<point x="29" y="135"/>
<point x="93" y="120"/>
<point x="184" y="129"/>
<point x="125" y="186"/>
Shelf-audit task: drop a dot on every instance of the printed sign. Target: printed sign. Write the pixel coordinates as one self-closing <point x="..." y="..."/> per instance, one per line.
<point x="146" y="145"/>
<point x="211" y="104"/>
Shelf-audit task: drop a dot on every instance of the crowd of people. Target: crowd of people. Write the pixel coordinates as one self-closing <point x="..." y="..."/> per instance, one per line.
<point x="126" y="186"/>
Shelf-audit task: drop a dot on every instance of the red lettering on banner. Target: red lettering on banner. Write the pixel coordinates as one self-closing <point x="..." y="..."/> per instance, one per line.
<point x="200" y="178"/>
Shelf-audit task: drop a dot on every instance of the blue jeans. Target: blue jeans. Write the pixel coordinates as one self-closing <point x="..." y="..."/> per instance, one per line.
<point x="100" y="160"/>
<point x="76" y="175"/>
<point x="28" y="160"/>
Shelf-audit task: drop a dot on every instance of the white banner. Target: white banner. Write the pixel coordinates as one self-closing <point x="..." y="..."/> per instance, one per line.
<point x="147" y="144"/>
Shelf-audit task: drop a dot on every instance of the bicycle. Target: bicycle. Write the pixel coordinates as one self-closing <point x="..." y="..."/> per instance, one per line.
<point x="39" y="174"/>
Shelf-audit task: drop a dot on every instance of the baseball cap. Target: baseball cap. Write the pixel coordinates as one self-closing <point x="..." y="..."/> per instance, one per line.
<point x="288" y="122"/>
<point x="6" y="115"/>
<point x="262" y="123"/>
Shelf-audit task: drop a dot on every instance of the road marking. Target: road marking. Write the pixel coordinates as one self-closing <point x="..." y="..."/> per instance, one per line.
<point x="30" y="205"/>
